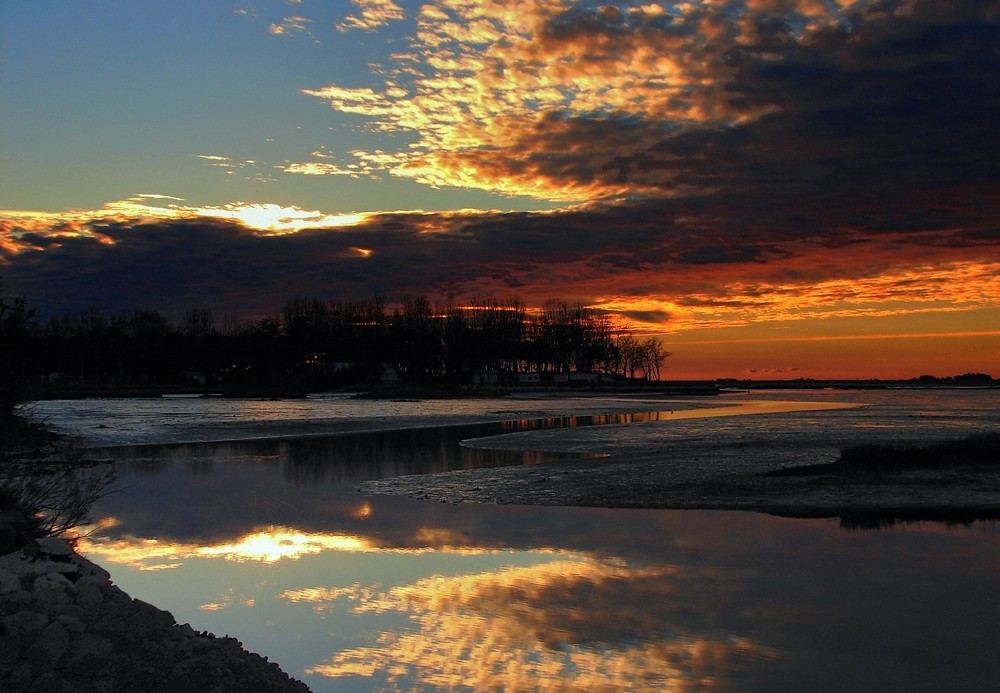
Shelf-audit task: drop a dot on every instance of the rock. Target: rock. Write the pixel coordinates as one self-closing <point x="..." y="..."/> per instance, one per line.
<point x="8" y="539"/>
<point x="48" y="648"/>
<point x="54" y="581"/>
<point x="24" y="624"/>
<point x="17" y="564"/>
<point x="8" y="582"/>
<point x="10" y="655"/>
<point x="89" y="647"/>
<point x="66" y="628"/>
<point x="51" y="682"/>
<point x="90" y="569"/>
<point x="12" y="602"/>
<point x="71" y="610"/>
<point x="23" y="565"/>
<point x="54" y="546"/>
<point x="148" y="617"/>
<point x="48" y="600"/>
<point x="71" y="623"/>
<point x="89" y="596"/>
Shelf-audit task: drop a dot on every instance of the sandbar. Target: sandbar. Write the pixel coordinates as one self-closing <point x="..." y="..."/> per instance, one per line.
<point x="719" y="458"/>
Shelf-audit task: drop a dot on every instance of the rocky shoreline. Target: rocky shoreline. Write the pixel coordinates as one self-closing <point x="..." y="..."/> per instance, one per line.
<point x="66" y="628"/>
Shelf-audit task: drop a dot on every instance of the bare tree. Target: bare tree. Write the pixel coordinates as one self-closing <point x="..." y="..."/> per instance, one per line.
<point x="653" y="356"/>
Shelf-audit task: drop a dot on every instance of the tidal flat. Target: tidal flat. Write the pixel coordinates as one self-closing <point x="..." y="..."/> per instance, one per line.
<point x="726" y="457"/>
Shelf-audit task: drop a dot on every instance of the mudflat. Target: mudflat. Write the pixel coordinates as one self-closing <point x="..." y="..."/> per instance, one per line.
<point x="733" y="456"/>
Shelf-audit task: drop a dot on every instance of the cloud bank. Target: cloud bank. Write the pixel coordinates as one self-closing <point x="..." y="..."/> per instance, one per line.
<point x="721" y="162"/>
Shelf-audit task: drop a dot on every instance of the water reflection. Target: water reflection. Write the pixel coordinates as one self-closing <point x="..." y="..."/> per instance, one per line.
<point x="582" y="599"/>
<point x="263" y="541"/>
<point x="566" y="624"/>
<point x="354" y="457"/>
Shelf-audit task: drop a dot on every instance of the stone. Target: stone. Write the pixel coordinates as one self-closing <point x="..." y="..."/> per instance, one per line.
<point x="51" y="682"/>
<point x="9" y="603"/>
<point x="8" y="539"/>
<point x="51" y="645"/>
<point x="49" y="600"/>
<point x="71" y="610"/>
<point x="9" y="582"/>
<point x="89" y="568"/>
<point x="24" y="624"/>
<point x="54" y="581"/>
<point x="10" y="655"/>
<point x="18" y="564"/>
<point x="54" y="546"/>
<point x="89" y="595"/>
<point x="89" y="647"/>
<point x="150" y="618"/>
<point x="71" y="623"/>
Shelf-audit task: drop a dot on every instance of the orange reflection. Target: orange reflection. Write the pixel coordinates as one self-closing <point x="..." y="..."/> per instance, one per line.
<point x="323" y="598"/>
<point x="268" y="546"/>
<point x="546" y="626"/>
<point x="275" y="545"/>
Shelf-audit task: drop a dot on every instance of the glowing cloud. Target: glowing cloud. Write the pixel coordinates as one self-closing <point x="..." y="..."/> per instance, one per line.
<point x="374" y="14"/>
<point x="291" y="25"/>
<point x="468" y="626"/>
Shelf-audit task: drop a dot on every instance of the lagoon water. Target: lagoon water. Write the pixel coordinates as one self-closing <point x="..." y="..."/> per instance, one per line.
<point x="268" y="541"/>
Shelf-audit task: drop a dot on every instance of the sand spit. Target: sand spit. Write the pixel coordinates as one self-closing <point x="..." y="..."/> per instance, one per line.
<point x="691" y="463"/>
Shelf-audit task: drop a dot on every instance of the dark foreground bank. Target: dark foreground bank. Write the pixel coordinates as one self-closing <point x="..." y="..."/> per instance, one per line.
<point x="66" y="628"/>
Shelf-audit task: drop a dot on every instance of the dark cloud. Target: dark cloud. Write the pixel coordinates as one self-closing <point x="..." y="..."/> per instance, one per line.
<point x="867" y="144"/>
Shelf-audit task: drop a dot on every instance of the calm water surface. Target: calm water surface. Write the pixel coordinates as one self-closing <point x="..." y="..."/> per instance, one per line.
<point x="268" y="542"/>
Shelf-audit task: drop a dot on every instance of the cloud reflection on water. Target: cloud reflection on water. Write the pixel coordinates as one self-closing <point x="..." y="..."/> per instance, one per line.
<point x="570" y="620"/>
<point x="558" y="624"/>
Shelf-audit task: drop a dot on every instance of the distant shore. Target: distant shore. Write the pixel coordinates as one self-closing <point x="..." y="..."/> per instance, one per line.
<point x="74" y="389"/>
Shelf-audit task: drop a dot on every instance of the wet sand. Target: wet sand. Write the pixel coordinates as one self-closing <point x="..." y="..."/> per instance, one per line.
<point x="717" y="458"/>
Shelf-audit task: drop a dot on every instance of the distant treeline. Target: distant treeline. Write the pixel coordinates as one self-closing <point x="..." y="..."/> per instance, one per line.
<point x="318" y="343"/>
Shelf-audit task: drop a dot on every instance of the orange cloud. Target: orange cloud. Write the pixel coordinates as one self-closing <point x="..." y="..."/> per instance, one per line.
<point x="374" y="14"/>
<point x="496" y="84"/>
<point x="538" y="627"/>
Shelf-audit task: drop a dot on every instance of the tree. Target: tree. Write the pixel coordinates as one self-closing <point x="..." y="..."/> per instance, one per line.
<point x="17" y="320"/>
<point x="653" y="356"/>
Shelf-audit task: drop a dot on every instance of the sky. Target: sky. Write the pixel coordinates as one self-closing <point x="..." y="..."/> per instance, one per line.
<point x="774" y="188"/>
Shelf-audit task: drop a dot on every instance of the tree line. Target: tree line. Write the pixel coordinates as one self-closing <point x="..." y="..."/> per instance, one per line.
<point x="317" y="342"/>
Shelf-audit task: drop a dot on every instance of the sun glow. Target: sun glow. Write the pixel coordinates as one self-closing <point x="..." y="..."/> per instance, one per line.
<point x="263" y="217"/>
<point x="278" y="219"/>
<point x="268" y="546"/>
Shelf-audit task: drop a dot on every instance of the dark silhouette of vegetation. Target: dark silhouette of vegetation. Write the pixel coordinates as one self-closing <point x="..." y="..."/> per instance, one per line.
<point x="951" y="517"/>
<point x="878" y="458"/>
<point x="314" y="343"/>
<point x="42" y="479"/>
<point x="964" y="379"/>
<point x="54" y="496"/>
<point x="16" y="332"/>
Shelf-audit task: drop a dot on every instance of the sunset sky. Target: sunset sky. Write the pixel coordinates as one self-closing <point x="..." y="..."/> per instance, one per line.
<point x="777" y="188"/>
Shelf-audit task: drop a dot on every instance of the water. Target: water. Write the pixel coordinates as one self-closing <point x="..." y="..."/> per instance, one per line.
<point x="269" y="542"/>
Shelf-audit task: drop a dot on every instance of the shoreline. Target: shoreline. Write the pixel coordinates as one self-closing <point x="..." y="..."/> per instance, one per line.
<point x="711" y="482"/>
<point x="675" y="465"/>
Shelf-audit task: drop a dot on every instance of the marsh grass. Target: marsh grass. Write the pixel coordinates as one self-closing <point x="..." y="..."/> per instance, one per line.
<point x="980" y="450"/>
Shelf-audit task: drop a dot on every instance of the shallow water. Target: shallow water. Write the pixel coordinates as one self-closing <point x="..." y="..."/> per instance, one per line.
<point x="270" y="543"/>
